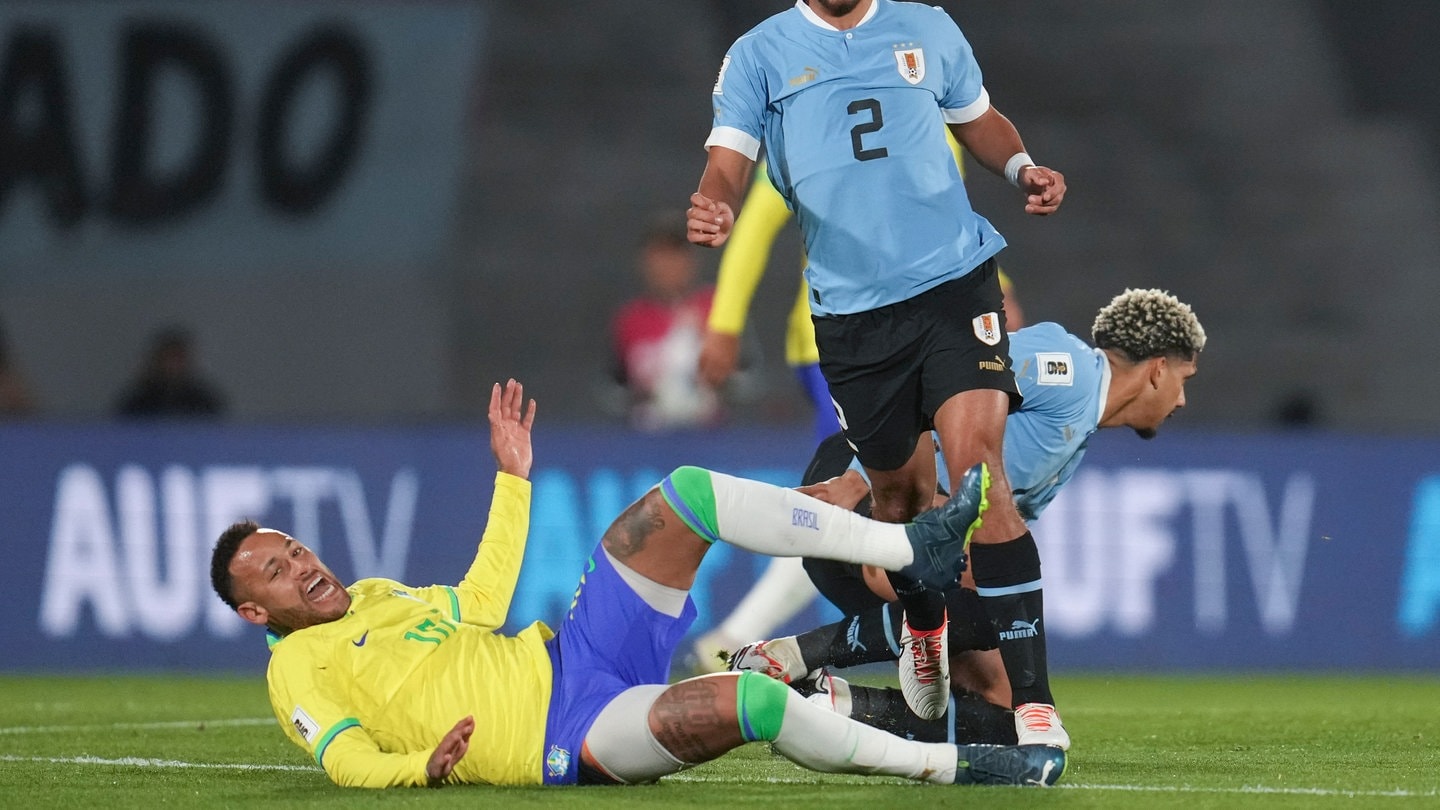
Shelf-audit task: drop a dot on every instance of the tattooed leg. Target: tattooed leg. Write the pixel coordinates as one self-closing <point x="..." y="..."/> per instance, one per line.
<point x="699" y="719"/>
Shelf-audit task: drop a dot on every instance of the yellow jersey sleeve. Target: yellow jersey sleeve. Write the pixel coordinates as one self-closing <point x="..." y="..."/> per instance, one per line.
<point x="800" y="348"/>
<point x="483" y="597"/>
<point x="742" y="265"/>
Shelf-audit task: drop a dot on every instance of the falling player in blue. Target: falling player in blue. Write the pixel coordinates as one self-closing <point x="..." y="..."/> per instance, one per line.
<point x="850" y="100"/>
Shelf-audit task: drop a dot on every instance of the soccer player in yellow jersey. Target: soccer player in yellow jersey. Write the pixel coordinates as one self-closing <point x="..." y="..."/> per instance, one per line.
<point x="387" y="684"/>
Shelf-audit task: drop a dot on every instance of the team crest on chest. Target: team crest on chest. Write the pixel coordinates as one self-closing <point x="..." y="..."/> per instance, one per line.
<point x="987" y="328"/>
<point x="911" y="64"/>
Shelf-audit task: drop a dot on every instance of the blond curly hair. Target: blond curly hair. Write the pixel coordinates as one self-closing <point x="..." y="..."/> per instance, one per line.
<point x="1142" y="324"/>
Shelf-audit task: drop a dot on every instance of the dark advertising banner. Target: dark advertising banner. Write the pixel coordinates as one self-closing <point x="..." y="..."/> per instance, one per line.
<point x="1189" y="552"/>
<point x="164" y="135"/>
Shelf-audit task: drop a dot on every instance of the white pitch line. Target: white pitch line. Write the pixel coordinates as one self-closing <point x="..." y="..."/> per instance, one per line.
<point x="142" y="762"/>
<point x="1246" y="789"/>
<point x="195" y="724"/>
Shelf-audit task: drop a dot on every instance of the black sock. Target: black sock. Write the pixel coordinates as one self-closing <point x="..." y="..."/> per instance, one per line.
<point x="976" y="719"/>
<point x="860" y="639"/>
<point x="1008" y="578"/>
<point x="874" y="635"/>
<point x="924" y="608"/>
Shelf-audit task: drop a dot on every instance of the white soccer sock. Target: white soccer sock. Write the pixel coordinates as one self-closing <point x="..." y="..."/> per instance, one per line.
<point x="824" y="741"/>
<point x="781" y="522"/>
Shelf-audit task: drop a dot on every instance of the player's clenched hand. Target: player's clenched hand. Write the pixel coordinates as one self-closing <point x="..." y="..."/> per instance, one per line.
<point x="707" y="221"/>
<point x="510" y="428"/>
<point x="719" y="354"/>
<point x="1044" y="189"/>
<point x="451" y="749"/>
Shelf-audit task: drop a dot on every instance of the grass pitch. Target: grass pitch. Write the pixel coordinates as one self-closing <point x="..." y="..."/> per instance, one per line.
<point x="1143" y="742"/>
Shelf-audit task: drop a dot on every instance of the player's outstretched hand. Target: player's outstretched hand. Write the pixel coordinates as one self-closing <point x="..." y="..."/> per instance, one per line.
<point x="1044" y="189"/>
<point x="452" y="746"/>
<point x="708" y="222"/>
<point x="510" y="429"/>
<point x="719" y="355"/>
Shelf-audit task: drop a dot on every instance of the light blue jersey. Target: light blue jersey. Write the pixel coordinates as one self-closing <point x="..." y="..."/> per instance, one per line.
<point x="1064" y="382"/>
<point x="853" y="125"/>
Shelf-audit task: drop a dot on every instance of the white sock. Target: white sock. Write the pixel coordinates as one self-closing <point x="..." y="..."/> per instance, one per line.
<point x="824" y="741"/>
<point x="781" y="522"/>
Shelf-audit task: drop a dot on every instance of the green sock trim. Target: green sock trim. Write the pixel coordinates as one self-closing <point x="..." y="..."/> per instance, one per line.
<point x="689" y="492"/>
<point x="760" y="704"/>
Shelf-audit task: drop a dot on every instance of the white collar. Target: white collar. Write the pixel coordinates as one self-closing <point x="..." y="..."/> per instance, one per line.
<point x="1104" y="385"/>
<point x="814" y="18"/>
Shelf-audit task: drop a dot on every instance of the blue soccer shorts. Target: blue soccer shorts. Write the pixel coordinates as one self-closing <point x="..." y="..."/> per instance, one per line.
<point x="609" y="641"/>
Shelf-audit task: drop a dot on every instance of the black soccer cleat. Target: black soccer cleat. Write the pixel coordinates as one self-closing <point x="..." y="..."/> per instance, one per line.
<point x="1028" y="765"/>
<point x="939" y="537"/>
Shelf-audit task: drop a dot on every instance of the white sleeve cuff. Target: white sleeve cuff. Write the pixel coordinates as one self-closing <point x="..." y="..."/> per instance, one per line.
<point x="969" y="112"/>
<point x="736" y="139"/>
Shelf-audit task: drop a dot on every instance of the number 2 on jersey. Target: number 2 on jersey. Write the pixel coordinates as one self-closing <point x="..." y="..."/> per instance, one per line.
<point x="877" y="120"/>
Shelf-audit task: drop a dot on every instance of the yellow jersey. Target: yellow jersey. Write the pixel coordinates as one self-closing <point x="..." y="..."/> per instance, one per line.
<point x="371" y="694"/>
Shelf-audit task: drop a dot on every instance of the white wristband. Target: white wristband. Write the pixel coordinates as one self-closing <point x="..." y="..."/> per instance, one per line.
<point x="1017" y="161"/>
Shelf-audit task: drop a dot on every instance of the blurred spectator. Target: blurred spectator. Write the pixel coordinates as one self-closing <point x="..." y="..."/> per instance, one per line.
<point x="168" y="384"/>
<point x="1298" y="410"/>
<point x="657" y="335"/>
<point x="15" y="399"/>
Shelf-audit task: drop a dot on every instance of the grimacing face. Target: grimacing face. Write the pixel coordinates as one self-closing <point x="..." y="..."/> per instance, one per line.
<point x="1165" y="397"/>
<point x="281" y="583"/>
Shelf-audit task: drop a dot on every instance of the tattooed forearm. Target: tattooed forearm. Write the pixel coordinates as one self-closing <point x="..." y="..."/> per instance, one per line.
<point x="627" y="535"/>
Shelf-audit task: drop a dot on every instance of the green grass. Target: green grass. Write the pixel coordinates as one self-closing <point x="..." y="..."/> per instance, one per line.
<point x="1144" y="742"/>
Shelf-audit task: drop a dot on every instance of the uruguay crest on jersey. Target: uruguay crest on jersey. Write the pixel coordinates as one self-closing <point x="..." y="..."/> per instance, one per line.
<point x="911" y="65"/>
<point x="987" y="328"/>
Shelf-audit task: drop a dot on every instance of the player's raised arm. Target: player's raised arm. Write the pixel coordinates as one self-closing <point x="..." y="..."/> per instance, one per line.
<point x="489" y="585"/>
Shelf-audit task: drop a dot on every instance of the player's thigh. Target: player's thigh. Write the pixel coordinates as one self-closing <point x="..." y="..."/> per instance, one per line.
<point x="650" y="539"/>
<point x="619" y="747"/>
<point x="649" y="731"/>
<point x="872" y="363"/>
<point x="967" y="347"/>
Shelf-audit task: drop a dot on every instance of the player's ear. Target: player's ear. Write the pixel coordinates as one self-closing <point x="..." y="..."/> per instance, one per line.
<point x="253" y="613"/>
<point x="1157" y="370"/>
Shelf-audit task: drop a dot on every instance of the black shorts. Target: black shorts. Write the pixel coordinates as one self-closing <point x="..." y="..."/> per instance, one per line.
<point x="890" y="369"/>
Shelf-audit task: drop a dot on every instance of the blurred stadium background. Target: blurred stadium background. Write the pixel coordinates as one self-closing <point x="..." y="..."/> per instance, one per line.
<point x="366" y="212"/>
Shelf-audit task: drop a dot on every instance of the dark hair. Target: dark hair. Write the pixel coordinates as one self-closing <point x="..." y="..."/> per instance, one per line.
<point x="225" y="549"/>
